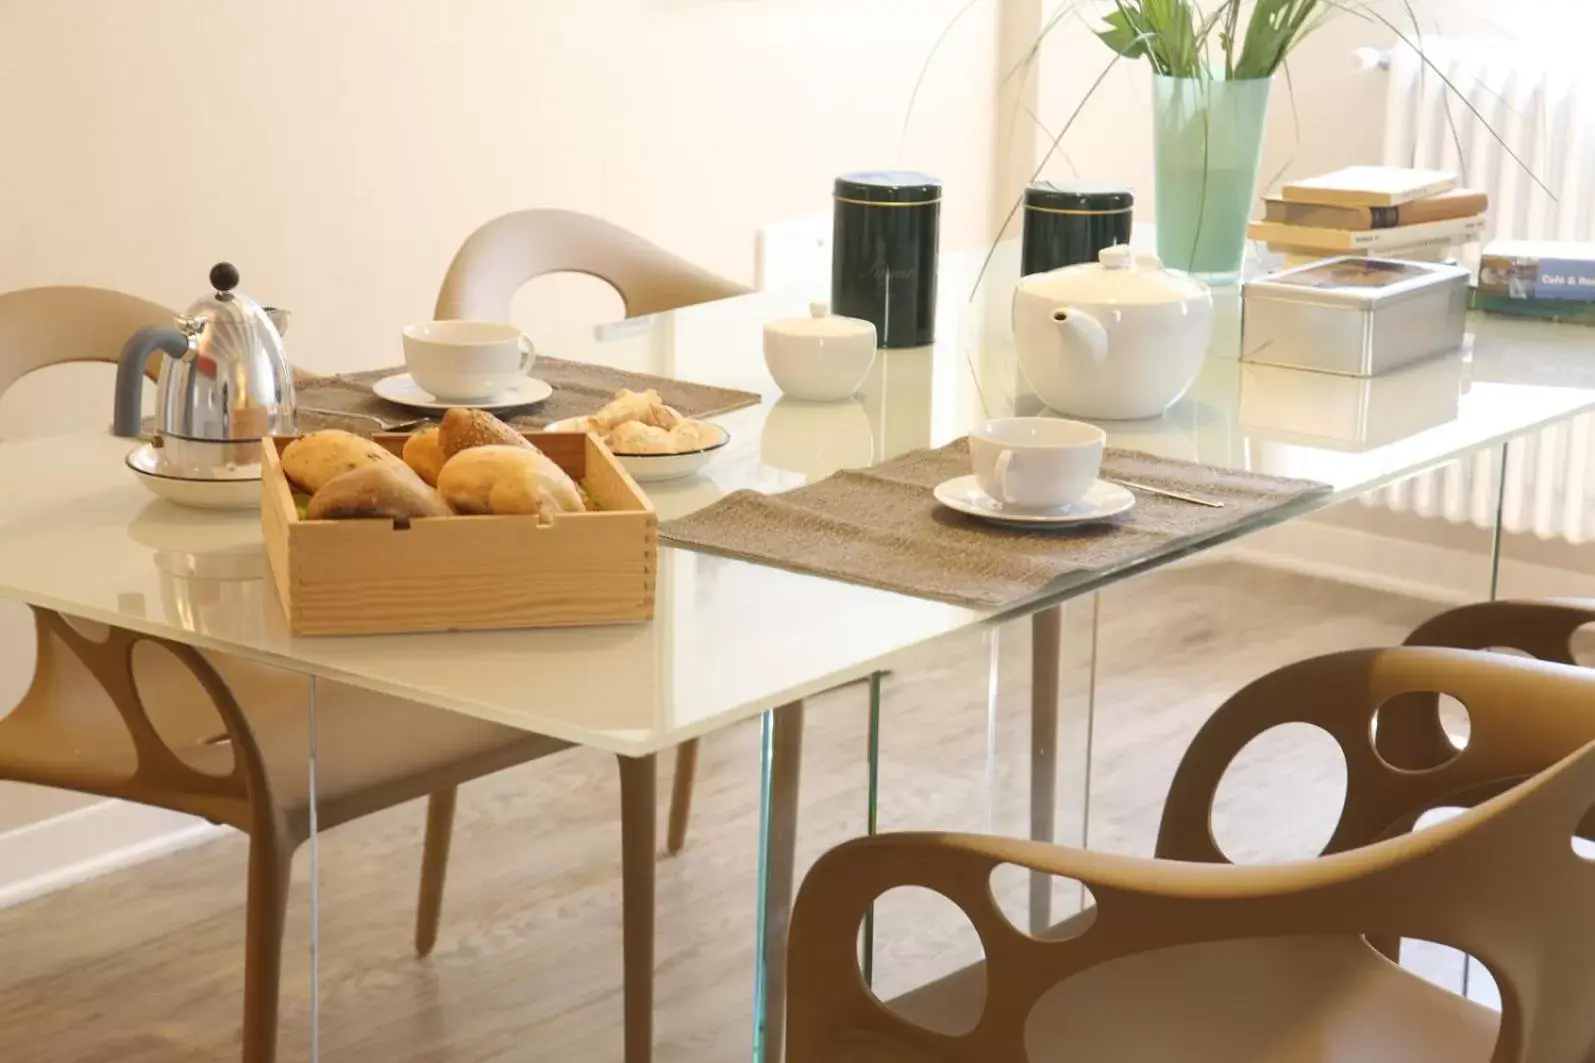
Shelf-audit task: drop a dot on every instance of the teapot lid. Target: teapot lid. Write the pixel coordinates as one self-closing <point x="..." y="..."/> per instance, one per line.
<point x="224" y="305"/>
<point x="1119" y="276"/>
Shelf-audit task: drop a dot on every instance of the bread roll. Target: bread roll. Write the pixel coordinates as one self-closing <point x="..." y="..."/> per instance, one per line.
<point x="385" y="490"/>
<point x="508" y="480"/>
<point x="423" y="452"/>
<point x="311" y="461"/>
<point x="463" y="429"/>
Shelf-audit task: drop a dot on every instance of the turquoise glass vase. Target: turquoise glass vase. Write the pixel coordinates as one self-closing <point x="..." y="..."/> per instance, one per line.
<point x="1208" y="138"/>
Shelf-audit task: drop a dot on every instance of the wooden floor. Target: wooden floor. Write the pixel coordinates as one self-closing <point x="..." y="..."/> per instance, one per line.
<point x="143" y="966"/>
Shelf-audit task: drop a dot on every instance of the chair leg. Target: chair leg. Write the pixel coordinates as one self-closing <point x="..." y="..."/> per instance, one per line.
<point x="786" y="768"/>
<point x="681" y="795"/>
<point x="270" y="864"/>
<point x="638" y="811"/>
<point x="434" y="867"/>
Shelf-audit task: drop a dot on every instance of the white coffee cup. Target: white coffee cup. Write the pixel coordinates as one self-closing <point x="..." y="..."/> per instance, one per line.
<point x="1036" y="462"/>
<point x="467" y="361"/>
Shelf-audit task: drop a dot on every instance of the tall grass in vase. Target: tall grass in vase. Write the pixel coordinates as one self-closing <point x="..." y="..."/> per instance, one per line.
<point x="1213" y="69"/>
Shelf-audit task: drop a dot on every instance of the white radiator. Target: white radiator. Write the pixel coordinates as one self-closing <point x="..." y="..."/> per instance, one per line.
<point x="1544" y="110"/>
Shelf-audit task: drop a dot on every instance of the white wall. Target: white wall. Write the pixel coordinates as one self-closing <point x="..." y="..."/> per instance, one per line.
<point x="340" y="150"/>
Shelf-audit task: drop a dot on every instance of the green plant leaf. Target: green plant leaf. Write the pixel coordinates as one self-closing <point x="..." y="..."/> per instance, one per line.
<point x="1122" y="36"/>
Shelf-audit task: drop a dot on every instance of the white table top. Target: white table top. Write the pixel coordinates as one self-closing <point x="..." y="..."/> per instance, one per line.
<point x="731" y="639"/>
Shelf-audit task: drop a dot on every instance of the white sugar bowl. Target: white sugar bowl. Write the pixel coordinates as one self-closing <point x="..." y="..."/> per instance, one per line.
<point x="1122" y="338"/>
<point x="819" y="358"/>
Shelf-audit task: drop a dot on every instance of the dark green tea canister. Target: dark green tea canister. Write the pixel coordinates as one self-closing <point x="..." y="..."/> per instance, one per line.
<point x="1067" y="223"/>
<point x="883" y="253"/>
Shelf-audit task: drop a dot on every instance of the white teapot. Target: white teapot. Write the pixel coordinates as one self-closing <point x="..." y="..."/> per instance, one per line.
<point x="1118" y="339"/>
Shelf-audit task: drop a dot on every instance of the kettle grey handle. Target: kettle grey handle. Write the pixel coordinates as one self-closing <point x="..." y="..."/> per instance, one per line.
<point x="136" y="353"/>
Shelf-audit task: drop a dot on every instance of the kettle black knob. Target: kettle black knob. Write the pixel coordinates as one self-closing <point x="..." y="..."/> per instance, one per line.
<point x="224" y="276"/>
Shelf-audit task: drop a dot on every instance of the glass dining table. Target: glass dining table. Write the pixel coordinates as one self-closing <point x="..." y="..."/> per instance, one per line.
<point x="733" y="642"/>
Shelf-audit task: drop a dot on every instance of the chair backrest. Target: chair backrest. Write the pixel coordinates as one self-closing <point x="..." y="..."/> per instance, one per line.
<point x="1500" y="881"/>
<point x="41" y="327"/>
<point x="501" y="256"/>
<point x="1348" y="695"/>
<point x="1411" y="733"/>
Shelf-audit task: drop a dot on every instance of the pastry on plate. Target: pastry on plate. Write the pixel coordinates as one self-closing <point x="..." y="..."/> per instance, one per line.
<point x="639" y="423"/>
<point x="634" y="437"/>
<point x="312" y="460"/>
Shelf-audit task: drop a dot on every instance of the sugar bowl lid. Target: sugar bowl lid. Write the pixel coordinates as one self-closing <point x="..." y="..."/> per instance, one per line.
<point x="1120" y="276"/>
<point x="821" y="324"/>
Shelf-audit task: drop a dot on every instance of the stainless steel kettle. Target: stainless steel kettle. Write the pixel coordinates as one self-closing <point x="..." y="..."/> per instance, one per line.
<point x="224" y="385"/>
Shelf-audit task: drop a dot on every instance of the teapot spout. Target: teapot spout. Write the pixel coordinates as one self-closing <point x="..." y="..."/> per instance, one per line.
<point x="1083" y="335"/>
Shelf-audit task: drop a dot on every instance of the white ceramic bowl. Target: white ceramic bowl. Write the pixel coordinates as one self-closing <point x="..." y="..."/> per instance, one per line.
<point x="819" y="358"/>
<point x="652" y="468"/>
<point x="240" y="493"/>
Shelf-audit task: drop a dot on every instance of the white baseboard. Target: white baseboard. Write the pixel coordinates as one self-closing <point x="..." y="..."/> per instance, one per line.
<point x="1402" y="566"/>
<point x="83" y="844"/>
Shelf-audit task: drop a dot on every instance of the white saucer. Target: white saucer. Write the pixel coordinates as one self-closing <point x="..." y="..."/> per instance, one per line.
<point x="402" y="389"/>
<point x="1104" y="500"/>
<point x="237" y="493"/>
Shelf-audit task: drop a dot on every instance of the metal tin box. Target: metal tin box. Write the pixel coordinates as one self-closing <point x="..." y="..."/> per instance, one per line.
<point x="1354" y="316"/>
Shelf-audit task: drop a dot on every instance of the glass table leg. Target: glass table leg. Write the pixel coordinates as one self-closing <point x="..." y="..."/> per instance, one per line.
<point x="1051" y="731"/>
<point x="315" y="886"/>
<point x="1046" y="633"/>
<point x="1497" y="534"/>
<point x="780" y="764"/>
<point x="872" y="819"/>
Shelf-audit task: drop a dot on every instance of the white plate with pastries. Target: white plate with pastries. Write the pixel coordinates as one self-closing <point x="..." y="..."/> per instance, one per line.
<point x="653" y="441"/>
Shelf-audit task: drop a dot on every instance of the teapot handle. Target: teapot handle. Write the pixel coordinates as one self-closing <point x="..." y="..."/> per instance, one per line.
<point x="130" y="365"/>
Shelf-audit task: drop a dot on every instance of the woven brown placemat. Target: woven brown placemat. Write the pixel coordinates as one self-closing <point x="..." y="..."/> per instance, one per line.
<point x="580" y="388"/>
<point x="881" y="526"/>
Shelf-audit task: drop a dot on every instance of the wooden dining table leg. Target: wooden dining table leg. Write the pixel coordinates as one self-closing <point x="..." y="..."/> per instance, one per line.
<point x="638" y="831"/>
<point x="1046" y="643"/>
<point x="778" y="860"/>
<point x="681" y="795"/>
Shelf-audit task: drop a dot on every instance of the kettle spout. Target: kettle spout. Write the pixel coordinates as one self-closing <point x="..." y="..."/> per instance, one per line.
<point x="1083" y="335"/>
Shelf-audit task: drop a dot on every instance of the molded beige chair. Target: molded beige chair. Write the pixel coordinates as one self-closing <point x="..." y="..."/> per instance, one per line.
<point x="1196" y="961"/>
<point x="499" y="258"/>
<point x="233" y="746"/>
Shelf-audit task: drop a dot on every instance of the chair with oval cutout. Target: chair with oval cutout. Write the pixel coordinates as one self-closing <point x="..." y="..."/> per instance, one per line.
<point x="217" y="736"/>
<point x="505" y="254"/>
<point x="1185" y="957"/>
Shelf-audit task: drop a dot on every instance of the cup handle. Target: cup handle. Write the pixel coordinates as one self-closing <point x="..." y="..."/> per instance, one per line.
<point x="1004" y="463"/>
<point x="528" y="353"/>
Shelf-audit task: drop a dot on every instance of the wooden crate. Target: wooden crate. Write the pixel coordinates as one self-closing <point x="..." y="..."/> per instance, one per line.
<point x="367" y="577"/>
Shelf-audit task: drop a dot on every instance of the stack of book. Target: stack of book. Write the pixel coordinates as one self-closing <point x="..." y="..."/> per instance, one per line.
<point x="1543" y="279"/>
<point x="1373" y="212"/>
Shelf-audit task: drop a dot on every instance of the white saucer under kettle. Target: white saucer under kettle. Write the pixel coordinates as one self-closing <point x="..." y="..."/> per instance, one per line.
<point x="1118" y="339"/>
